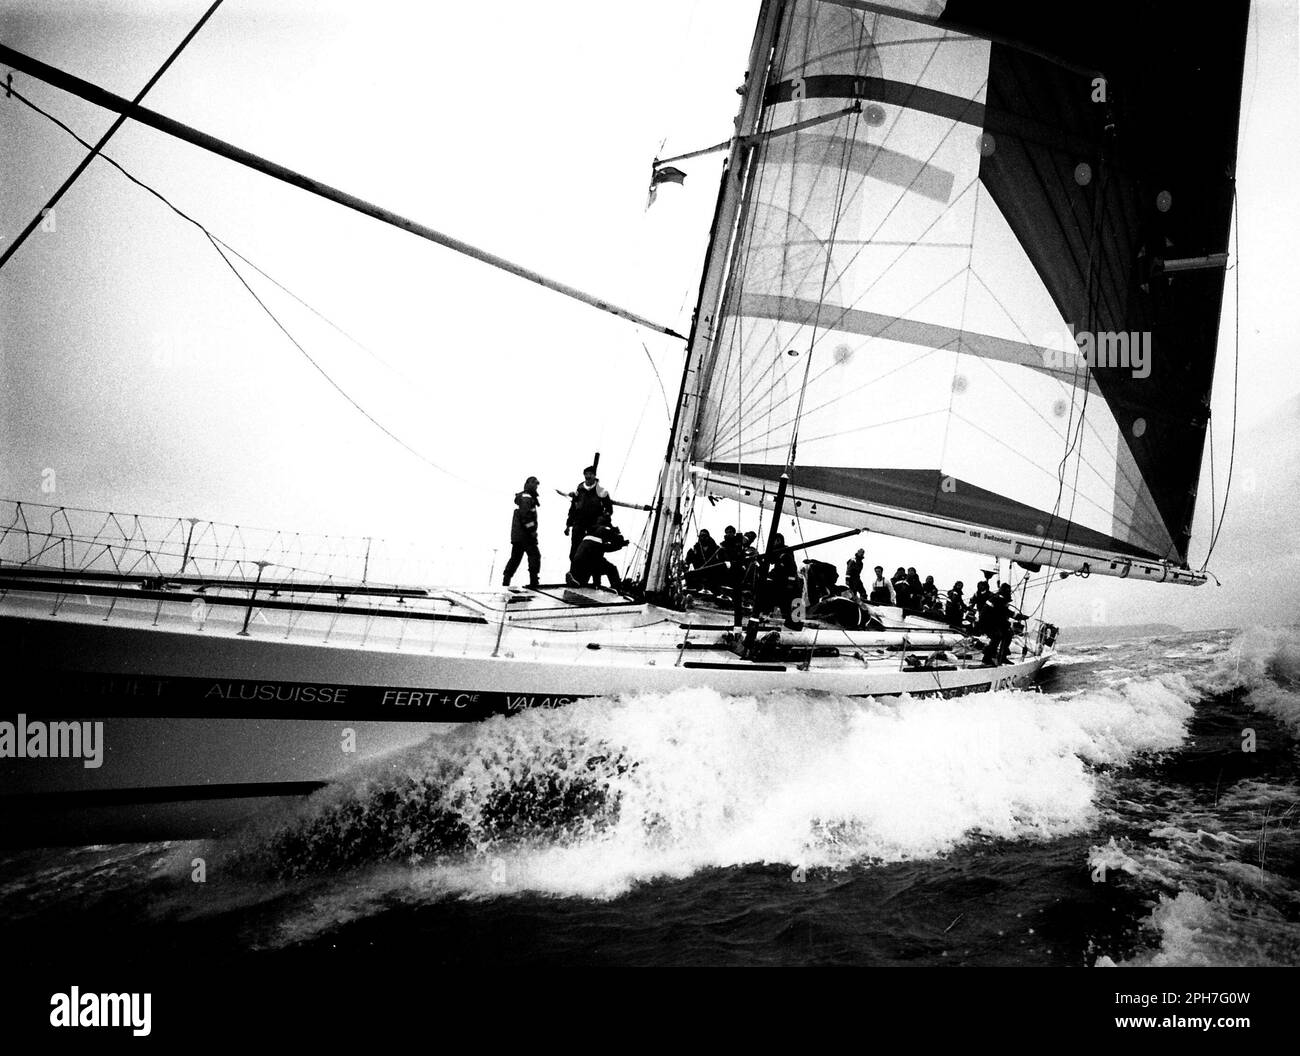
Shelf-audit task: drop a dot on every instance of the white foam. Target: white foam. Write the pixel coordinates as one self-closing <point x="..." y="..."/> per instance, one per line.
<point x="1263" y="663"/>
<point x="710" y="781"/>
<point x="1220" y="932"/>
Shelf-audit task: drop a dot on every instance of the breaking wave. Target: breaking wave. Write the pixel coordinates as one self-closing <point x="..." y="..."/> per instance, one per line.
<point x="591" y="799"/>
<point x="1191" y="931"/>
<point x="1262" y="669"/>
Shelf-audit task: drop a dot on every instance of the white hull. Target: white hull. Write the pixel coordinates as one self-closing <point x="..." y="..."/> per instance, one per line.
<point x="188" y="697"/>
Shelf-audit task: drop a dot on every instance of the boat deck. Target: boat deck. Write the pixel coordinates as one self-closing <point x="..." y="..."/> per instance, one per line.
<point x="584" y="625"/>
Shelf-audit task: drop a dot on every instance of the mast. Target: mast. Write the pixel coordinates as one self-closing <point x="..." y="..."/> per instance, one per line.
<point x="699" y="349"/>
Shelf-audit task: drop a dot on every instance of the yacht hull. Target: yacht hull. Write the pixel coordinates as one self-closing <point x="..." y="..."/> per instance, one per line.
<point x="196" y="728"/>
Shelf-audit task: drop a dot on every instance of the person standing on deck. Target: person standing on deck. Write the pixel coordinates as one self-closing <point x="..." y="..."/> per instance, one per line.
<point x="882" y="591"/>
<point x="955" y="611"/>
<point x="588" y="503"/>
<point x="998" y="614"/>
<point x="976" y="608"/>
<point x="523" y="534"/>
<point x="782" y="585"/>
<point x="902" y="590"/>
<point x="853" y="576"/>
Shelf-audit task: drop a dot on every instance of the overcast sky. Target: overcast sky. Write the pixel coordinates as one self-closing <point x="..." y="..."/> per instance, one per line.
<point x="136" y="367"/>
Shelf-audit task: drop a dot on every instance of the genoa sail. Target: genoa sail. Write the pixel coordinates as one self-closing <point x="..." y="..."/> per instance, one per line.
<point x="952" y="308"/>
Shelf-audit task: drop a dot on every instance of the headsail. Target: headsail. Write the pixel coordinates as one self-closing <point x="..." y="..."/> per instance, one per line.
<point x="899" y="317"/>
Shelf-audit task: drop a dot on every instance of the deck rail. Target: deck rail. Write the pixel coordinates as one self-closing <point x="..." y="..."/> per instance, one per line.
<point x="44" y="539"/>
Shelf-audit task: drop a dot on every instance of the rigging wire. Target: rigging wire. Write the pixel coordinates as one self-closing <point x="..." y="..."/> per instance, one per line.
<point x="631" y="444"/>
<point x="662" y="391"/>
<point x="12" y="248"/>
<point x="1090" y="294"/>
<point x="218" y="245"/>
<point x="836" y="215"/>
<point x="1214" y="502"/>
<point x="1236" y="359"/>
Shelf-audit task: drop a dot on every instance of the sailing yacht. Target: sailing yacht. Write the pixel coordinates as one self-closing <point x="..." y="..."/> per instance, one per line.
<point x="963" y="287"/>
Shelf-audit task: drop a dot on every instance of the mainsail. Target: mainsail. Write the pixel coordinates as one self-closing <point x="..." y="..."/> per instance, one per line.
<point x="972" y="298"/>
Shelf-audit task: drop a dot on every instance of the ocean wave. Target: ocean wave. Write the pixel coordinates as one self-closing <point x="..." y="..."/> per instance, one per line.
<point x="1262" y="668"/>
<point x="591" y="799"/>
<point x="1193" y="931"/>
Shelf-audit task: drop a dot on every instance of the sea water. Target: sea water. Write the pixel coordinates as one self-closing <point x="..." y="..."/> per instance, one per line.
<point x="1143" y="808"/>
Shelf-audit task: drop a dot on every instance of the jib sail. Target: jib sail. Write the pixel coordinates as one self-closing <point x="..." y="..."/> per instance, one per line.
<point x="972" y="291"/>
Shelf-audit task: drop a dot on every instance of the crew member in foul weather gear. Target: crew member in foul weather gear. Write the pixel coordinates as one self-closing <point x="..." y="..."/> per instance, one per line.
<point x="955" y="611"/>
<point x="882" y="591"/>
<point x="588" y="502"/>
<point x="822" y="579"/>
<point x="853" y="577"/>
<point x="975" y="609"/>
<point x="523" y="534"/>
<point x="930" y="596"/>
<point x="916" y="587"/>
<point x="902" y="590"/>
<point x="998" y="614"/>
<point x="705" y="567"/>
<point x="589" y="559"/>
<point x="782" y="584"/>
<point x="731" y="545"/>
<point x="745" y="569"/>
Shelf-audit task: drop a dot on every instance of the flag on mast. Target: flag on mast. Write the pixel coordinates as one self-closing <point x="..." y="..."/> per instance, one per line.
<point x="663" y="174"/>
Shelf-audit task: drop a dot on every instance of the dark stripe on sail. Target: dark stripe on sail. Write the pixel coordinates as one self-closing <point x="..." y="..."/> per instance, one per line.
<point x="868" y="159"/>
<point x="910" y="331"/>
<point x="983" y="116"/>
<point x="880" y="90"/>
<point x="928" y="491"/>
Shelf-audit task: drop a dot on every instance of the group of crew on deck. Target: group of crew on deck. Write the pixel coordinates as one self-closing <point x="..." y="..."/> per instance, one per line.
<point x="589" y="526"/>
<point x="733" y="565"/>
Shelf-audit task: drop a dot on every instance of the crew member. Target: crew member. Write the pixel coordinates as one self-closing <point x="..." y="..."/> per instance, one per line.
<point x="588" y="502"/>
<point x="882" y="591"/>
<point x="902" y="591"/>
<point x="853" y="577"/>
<point x="782" y="585"/>
<point x="998" y="614"/>
<point x="523" y="534"/>
<point x="730" y="542"/>
<point x="821" y="577"/>
<point x="916" y="588"/>
<point x="704" y="560"/>
<point x="746" y="568"/>
<point x="929" y="595"/>
<point x="589" y="559"/>
<point x="976" y="607"/>
<point x="955" y="611"/>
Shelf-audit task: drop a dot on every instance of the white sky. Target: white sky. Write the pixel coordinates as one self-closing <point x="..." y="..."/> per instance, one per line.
<point x="134" y="365"/>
